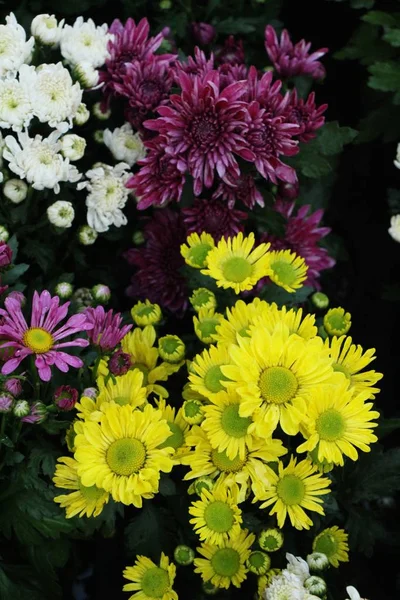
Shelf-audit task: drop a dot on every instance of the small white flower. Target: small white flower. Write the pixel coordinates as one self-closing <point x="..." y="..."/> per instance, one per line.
<point x="82" y="114"/>
<point x="54" y="97"/>
<point x="47" y="30"/>
<point x="64" y="290"/>
<point x="15" y="106"/>
<point x="99" y="114"/>
<point x="85" y="42"/>
<point x="15" y="190"/>
<point x="61" y="214"/>
<point x="107" y="196"/>
<point x="86" y="74"/>
<point x="87" y="235"/>
<point x="397" y="161"/>
<point x="286" y="586"/>
<point x="124" y="144"/>
<point x="38" y="160"/>
<point x="73" y="146"/>
<point x="4" y="234"/>
<point x="394" y="229"/>
<point x="298" y="566"/>
<point x="14" y="49"/>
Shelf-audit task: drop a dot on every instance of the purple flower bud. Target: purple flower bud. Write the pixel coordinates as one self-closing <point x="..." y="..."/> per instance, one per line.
<point x="13" y="386"/>
<point x="90" y="392"/>
<point x="65" y="397"/>
<point x="6" y="402"/>
<point x="38" y="413"/>
<point x="119" y="363"/>
<point x="288" y="191"/>
<point x="203" y="33"/>
<point x="5" y="255"/>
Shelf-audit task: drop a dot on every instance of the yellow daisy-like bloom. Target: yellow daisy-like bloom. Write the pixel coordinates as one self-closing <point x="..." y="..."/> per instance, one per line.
<point x="122" y="453"/>
<point x="224" y="565"/>
<point x="250" y="473"/>
<point x="350" y="360"/>
<point x="338" y="421"/>
<point x="205" y="374"/>
<point x="273" y="374"/>
<point x="123" y="389"/>
<point x="146" y="313"/>
<point x="203" y="298"/>
<point x="271" y="315"/>
<point x="337" y="321"/>
<point x="216" y="515"/>
<point x="226" y="429"/>
<point x="205" y="324"/>
<point x="295" y="488"/>
<point x="238" y="320"/>
<point x="196" y="249"/>
<point x="82" y="501"/>
<point x="179" y="430"/>
<point x="333" y="542"/>
<point x="234" y="264"/>
<point x="149" y="581"/>
<point x="288" y="270"/>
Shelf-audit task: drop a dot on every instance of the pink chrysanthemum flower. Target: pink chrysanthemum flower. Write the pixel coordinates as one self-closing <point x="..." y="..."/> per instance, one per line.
<point x="106" y="328"/>
<point x="200" y="65"/>
<point x="244" y="190"/>
<point x="231" y="73"/>
<point x="41" y="338"/>
<point x="302" y="234"/>
<point x="232" y="52"/>
<point x="159" y="261"/>
<point x="214" y="217"/>
<point x="204" y="126"/>
<point x="161" y="177"/>
<point x="290" y="60"/>
<point x="307" y="116"/>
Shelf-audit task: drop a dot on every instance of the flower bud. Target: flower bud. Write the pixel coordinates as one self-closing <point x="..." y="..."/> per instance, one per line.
<point x="258" y="562"/>
<point x="5" y="255"/>
<point x="37" y="414"/>
<point x="101" y="293"/>
<point x="90" y="392"/>
<point x="165" y="4"/>
<point x="119" y="363"/>
<point x="203" y="33"/>
<point x="6" y="402"/>
<point x="288" y="191"/>
<point x="320" y="300"/>
<point x="86" y="74"/>
<point x="337" y="321"/>
<point x="138" y="238"/>
<point x="192" y="412"/>
<point x="4" y="234"/>
<point x="184" y="555"/>
<point x="87" y="235"/>
<point x="83" y="297"/>
<point x="99" y="113"/>
<point x="98" y="136"/>
<point x="209" y="589"/>
<point x="171" y="348"/>
<point x="46" y="30"/>
<point x="13" y="386"/>
<point x="21" y="408"/>
<point x="65" y="397"/>
<point x="146" y="313"/>
<point x="316" y="586"/>
<point x="203" y="298"/>
<point x="317" y="561"/>
<point x="73" y="146"/>
<point x="203" y="483"/>
<point x="15" y="190"/>
<point x="82" y="115"/>
<point x="64" y="290"/>
<point x="61" y="214"/>
<point x="270" y="540"/>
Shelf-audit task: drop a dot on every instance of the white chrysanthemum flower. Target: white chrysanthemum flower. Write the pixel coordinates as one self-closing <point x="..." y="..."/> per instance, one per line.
<point x="82" y="114"/>
<point x="61" y="214"/>
<point x="297" y="566"/>
<point x="15" y="105"/>
<point x="55" y="98"/>
<point x="394" y="229"/>
<point x="15" y="190"/>
<point x="15" y="50"/>
<point x="397" y="161"/>
<point x="286" y="586"/>
<point x="124" y="144"/>
<point x="85" y="42"/>
<point x="107" y="196"/>
<point x="73" y="146"/>
<point x="86" y="74"/>
<point x="39" y="161"/>
<point x="47" y="30"/>
<point x="87" y="235"/>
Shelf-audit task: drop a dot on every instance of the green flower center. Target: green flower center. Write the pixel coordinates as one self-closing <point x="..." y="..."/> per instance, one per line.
<point x="92" y="493"/>
<point x="202" y="297"/>
<point x="269" y="542"/>
<point x="208" y="327"/>
<point x="285" y="272"/>
<point x="126" y="456"/>
<point x="232" y="423"/>
<point x="341" y="369"/>
<point x="290" y="490"/>
<point x="213" y="378"/>
<point x="278" y="385"/>
<point x="170" y="344"/>
<point x="219" y="517"/>
<point x="197" y="255"/>
<point x="226" y="562"/>
<point x="337" y="321"/>
<point x="192" y="409"/>
<point x="38" y="340"/>
<point x="223" y="463"/>
<point x="326" y="544"/>
<point x="330" y="425"/>
<point x="155" y="582"/>
<point x="144" y="311"/>
<point x="236" y="269"/>
<point x="176" y="438"/>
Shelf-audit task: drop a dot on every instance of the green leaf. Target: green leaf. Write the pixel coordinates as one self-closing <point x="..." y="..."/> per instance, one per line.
<point x="385" y="76"/>
<point x="167" y="486"/>
<point x="43" y="459"/>
<point x="232" y="25"/>
<point x="362" y="3"/>
<point x="150" y="532"/>
<point x="378" y="17"/>
<point x="386" y="427"/>
<point x="14" y="273"/>
<point x="13" y="243"/>
<point x="273" y="293"/>
<point x="332" y="138"/>
<point x="393" y="37"/>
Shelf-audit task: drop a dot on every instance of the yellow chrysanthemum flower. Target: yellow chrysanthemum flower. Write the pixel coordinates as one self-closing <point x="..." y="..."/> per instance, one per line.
<point x="146" y="313"/>
<point x="123" y="389"/>
<point x="337" y="321"/>
<point x="271" y="315"/>
<point x="333" y="542"/>
<point x="295" y="488"/>
<point x="250" y="473"/>
<point x="224" y="565"/>
<point x="196" y="249"/>
<point x="226" y="429"/>
<point x="149" y="581"/>
<point x="238" y="320"/>
<point x="288" y="270"/>
<point x="82" y="501"/>
<point x="203" y="298"/>
<point x="273" y="373"/>
<point x="205" y="374"/>
<point x="122" y="453"/>
<point x="179" y="429"/>
<point x="234" y="264"/>
<point x="338" y="421"/>
<point x="350" y="360"/>
<point x="216" y="515"/>
<point x="205" y="324"/>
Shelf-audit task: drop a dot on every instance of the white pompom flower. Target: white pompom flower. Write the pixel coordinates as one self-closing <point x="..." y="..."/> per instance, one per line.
<point x="107" y="196"/>
<point x="61" y="214"/>
<point x="73" y="146"/>
<point x="47" y="30"/>
<point x="124" y="144"/>
<point x="15" y="106"/>
<point x="15" y="49"/>
<point x="39" y="161"/>
<point x="55" y="98"/>
<point x="15" y="190"/>
<point x="84" y="42"/>
<point x="394" y="229"/>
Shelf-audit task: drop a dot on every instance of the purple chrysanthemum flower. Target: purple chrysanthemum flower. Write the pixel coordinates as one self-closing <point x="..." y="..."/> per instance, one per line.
<point x="203" y="33"/>
<point x="41" y="338"/>
<point x="232" y="52"/>
<point x="302" y="234"/>
<point x="204" y="126"/>
<point x="159" y="261"/>
<point x="107" y="330"/>
<point x="119" y="363"/>
<point x="198" y="66"/>
<point x="244" y="190"/>
<point x="161" y="177"/>
<point x="290" y="60"/>
<point x="231" y="73"/>
<point x="214" y="217"/>
<point x="307" y="116"/>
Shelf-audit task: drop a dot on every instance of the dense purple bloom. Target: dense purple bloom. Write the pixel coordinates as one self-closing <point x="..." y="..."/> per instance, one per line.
<point x="290" y="60"/>
<point x="242" y="190"/>
<point x="198" y="66"/>
<point x="232" y="52"/>
<point x="203" y="33"/>
<point x="307" y="116"/>
<point x="214" y="217"/>
<point x="159" y="261"/>
<point x="107" y="330"/>
<point x="119" y="363"/>
<point x="231" y="73"/>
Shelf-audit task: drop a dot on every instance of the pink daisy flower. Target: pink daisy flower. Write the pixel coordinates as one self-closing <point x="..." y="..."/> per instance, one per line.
<point x="244" y="191"/>
<point x="307" y="116"/>
<point x="232" y="52"/>
<point x="106" y="331"/>
<point x="290" y="60"/>
<point x="214" y="217"/>
<point x="41" y="338"/>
